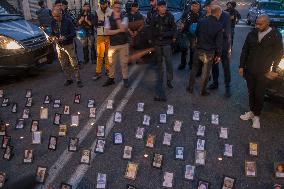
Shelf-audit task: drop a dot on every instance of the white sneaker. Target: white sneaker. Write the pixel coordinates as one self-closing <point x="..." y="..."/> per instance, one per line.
<point x="247" y="116"/>
<point x="255" y="122"/>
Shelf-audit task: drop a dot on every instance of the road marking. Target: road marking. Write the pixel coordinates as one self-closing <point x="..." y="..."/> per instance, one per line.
<point x="56" y="168"/>
<point x="82" y="169"/>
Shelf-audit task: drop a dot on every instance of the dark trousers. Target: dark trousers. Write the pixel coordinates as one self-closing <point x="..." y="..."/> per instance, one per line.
<point x="89" y="46"/>
<point x="183" y="61"/>
<point x="256" y="87"/>
<point x="201" y="59"/>
<point x="166" y="53"/>
<point x="232" y="36"/>
<point x="225" y="59"/>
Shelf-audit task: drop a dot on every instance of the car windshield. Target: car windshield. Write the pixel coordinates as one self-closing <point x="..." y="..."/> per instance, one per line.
<point x="171" y="4"/>
<point x="271" y="6"/>
<point x="10" y="17"/>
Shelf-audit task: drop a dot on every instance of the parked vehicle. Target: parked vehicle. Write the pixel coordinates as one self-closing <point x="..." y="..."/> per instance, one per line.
<point x="274" y="9"/>
<point x="23" y="45"/>
<point x="276" y="87"/>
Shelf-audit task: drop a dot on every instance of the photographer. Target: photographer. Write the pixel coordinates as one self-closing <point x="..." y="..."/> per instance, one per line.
<point x="63" y="34"/>
<point x="86" y="23"/>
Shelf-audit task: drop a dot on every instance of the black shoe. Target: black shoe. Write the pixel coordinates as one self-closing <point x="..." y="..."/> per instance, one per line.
<point x="228" y="92"/>
<point x="169" y="84"/>
<point x="68" y="82"/>
<point x="80" y="84"/>
<point x="181" y="67"/>
<point x="125" y="83"/>
<point x="213" y="86"/>
<point x="189" y="89"/>
<point x="204" y="93"/>
<point x="160" y="99"/>
<point x="86" y="62"/>
<point x="110" y="81"/>
<point x="97" y="77"/>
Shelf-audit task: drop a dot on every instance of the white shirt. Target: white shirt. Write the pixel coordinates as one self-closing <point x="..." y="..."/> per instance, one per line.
<point x="264" y="33"/>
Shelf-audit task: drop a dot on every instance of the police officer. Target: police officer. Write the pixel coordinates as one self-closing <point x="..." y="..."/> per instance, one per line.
<point x="136" y="24"/>
<point x="67" y="13"/>
<point x="63" y="34"/>
<point x="152" y="12"/>
<point x="44" y="15"/>
<point x="164" y="34"/>
<point x="103" y="41"/>
<point x="234" y="16"/>
<point x="116" y="26"/>
<point x="86" y="23"/>
<point x="190" y="19"/>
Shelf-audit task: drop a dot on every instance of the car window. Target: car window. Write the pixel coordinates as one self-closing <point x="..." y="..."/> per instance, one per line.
<point x="271" y="6"/>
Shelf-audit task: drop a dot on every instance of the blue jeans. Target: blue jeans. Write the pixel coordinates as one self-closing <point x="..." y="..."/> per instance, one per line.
<point x="166" y="53"/>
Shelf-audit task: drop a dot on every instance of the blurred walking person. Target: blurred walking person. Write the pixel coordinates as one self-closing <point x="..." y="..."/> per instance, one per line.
<point x="44" y="15"/>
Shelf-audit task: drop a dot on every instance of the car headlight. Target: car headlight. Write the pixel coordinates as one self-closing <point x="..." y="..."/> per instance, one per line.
<point x="281" y="64"/>
<point x="9" y="44"/>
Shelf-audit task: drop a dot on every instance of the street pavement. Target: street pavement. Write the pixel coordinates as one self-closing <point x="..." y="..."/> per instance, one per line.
<point x="64" y="166"/>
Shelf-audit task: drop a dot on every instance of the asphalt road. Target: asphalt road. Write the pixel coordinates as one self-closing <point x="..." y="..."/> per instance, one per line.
<point x="64" y="166"/>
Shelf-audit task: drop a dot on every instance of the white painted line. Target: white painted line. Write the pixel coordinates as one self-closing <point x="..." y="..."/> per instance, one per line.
<point x="56" y="168"/>
<point x="82" y="169"/>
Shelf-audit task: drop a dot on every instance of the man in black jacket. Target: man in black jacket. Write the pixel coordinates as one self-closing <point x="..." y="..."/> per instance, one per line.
<point x="189" y="21"/>
<point x="152" y="12"/>
<point x="225" y="58"/>
<point x="63" y="34"/>
<point x="86" y="23"/>
<point x="44" y="15"/>
<point x="234" y="16"/>
<point x="164" y="34"/>
<point x="263" y="48"/>
<point x="209" y="48"/>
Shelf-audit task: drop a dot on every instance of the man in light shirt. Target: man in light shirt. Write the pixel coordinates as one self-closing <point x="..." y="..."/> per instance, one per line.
<point x="116" y="27"/>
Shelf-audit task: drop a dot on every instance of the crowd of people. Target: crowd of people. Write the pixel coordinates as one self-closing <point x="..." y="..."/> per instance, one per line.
<point x="109" y="35"/>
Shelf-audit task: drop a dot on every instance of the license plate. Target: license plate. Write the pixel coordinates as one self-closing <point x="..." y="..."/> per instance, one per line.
<point x="42" y="60"/>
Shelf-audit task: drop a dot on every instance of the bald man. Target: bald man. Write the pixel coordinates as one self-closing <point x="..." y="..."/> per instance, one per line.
<point x="225" y="21"/>
<point x="208" y="49"/>
<point x="262" y="50"/>
<point x="63" y="34"/>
